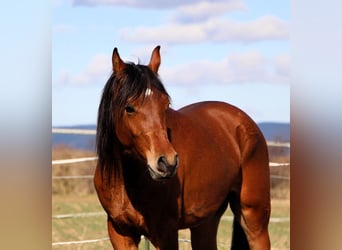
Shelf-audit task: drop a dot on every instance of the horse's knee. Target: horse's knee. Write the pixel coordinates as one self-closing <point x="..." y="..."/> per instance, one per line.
<point x="260" y="242"/>
<point x="120" y="241"/>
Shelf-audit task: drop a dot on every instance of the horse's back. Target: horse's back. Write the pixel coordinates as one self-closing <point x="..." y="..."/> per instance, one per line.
<point x="219" y="118"/>
<point x="221" y="112"/>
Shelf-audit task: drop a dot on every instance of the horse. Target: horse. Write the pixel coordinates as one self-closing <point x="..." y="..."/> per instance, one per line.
<point x="160" y="170"/>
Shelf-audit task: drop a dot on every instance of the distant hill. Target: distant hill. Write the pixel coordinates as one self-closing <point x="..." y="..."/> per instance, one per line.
<point x="275" y="131"/>
<point x="272" y="132"/>
<point x="84" y="142"/>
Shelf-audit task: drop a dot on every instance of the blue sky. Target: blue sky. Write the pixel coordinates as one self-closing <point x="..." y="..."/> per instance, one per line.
<point x="234" y="51"/>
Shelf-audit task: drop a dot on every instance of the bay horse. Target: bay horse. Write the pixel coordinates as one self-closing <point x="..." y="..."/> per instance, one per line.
<point x="160" y="170"/>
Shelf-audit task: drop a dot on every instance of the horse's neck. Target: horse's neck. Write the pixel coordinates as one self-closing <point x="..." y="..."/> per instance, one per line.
<point x="114" y="192"/>
<point x="125" y="185"/>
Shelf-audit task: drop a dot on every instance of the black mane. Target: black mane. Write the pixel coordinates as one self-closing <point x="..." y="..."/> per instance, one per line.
<point x="131" y="83"/>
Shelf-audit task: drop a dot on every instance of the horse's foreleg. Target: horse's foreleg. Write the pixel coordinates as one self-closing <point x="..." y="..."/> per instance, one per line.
<point x="204" y="235"/>
<point x="121" y="242"/>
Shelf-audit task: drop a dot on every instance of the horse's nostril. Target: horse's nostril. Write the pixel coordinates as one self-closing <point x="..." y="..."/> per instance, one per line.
<point x="162" y="164"/>
<point x="167" y="167"/>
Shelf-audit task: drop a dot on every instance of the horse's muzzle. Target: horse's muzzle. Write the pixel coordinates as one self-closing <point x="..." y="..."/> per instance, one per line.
<point x="165" y="169"/>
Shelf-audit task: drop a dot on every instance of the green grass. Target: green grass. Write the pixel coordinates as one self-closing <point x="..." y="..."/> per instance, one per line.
<point x="85" y="228"/>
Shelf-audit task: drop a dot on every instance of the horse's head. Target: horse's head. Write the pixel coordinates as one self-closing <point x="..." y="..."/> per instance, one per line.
<point x="138" y="107"/>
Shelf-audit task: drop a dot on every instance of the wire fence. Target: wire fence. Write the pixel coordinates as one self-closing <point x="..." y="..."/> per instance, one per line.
<point x="61" y="162"/>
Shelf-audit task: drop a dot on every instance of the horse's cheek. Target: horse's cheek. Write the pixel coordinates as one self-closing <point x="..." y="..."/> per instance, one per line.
<point x="123" y="134"/>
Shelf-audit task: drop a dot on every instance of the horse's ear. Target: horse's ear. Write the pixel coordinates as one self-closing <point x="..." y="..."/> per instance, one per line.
<point x="155" y="60"/>
<point x="118" y="64"/>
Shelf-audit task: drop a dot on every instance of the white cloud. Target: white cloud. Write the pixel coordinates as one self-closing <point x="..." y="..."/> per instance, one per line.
<point x="96" y="71"/>
<point x="197" y="21"/>
<point x="211" y="30"/>
<point x="155" y="4"/>
<point x="203" y="10"/>
<point x="251" y="66"/>
<point x="172" y="34"/>
<point x="282" y="68"/>
<point x="263" y="28"/>
<point x="246" y="67"/>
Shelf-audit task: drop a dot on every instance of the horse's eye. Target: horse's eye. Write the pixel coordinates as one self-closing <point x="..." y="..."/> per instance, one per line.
<point x="130" y="109"/>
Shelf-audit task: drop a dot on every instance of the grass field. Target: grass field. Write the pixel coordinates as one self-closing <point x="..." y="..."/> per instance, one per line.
<point x="85" y="228"/>
<point x="78" y="196"/>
